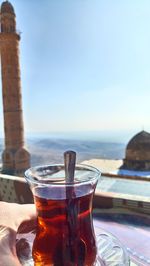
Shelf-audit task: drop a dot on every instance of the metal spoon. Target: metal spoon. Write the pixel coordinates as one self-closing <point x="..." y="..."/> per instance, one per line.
<point x="77" y="249"/>
<point x="69" y="162"/>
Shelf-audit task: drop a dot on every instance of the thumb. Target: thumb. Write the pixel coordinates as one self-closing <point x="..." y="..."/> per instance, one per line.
<point x="12" y="214"/>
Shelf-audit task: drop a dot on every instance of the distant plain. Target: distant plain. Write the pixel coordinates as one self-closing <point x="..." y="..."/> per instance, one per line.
<point x="50" y="150"/>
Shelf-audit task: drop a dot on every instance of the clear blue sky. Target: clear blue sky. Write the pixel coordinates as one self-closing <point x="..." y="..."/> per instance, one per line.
<point x="85" y="64"/>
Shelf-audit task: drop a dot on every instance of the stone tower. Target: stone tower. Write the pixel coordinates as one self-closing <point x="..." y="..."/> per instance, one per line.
<point x="15" y="158"/>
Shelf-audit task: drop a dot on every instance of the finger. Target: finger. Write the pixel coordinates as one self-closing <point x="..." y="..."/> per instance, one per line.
<point x="12" y="215"/>
<point x="23" y="248"/>
<point x="27" y="226"/>
<point x="26" y="213"/>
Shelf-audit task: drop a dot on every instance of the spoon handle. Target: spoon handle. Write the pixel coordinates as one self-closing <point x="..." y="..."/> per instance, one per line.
<point x="69" y="162"/>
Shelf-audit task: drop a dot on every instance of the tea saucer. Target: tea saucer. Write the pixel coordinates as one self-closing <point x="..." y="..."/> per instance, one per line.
<point x="110" y="251"/>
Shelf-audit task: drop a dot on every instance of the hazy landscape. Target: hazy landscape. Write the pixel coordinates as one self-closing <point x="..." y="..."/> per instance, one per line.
<point x="50" y="150"/>
<point x="45" y="150"/>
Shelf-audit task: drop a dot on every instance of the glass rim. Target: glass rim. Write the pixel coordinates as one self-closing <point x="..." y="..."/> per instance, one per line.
<point x="29" y="175"/>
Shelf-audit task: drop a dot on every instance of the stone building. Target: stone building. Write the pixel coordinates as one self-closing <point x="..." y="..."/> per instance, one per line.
<point x="15" y="157"/>
<point x="138" y="153"/>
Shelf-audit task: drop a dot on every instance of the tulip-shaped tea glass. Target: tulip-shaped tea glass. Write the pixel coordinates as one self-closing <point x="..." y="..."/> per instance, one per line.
<point x="65" y="234"/>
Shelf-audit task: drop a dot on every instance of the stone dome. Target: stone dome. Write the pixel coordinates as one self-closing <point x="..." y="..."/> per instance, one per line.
<point x="7" y="7"/>
<point x="139" y="147"/>
<point x="138" y="152"/>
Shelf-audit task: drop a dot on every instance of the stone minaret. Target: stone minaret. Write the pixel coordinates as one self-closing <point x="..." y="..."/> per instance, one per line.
<point x="15" y="158"/>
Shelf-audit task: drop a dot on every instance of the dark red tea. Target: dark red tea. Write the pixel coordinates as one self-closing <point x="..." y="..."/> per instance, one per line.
<point x="65" y="235"/>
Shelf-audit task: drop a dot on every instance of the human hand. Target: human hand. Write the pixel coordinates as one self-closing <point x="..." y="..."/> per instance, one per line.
<point x="13" y="218"/>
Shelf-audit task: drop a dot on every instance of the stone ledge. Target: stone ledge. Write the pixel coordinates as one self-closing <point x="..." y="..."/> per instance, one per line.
<point x="111" y="168"/>
<point x="109" y="200"/>
<point x="15" y="189"/>
<point x="124" y="176"/>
